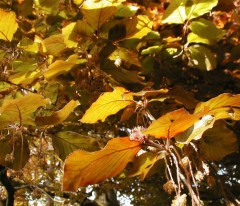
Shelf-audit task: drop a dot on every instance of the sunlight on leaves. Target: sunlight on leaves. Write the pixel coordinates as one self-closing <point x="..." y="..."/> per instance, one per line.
<point x="8" y="25"/>
<point x="84" y="168"/>
<point x="218" y="142"/>
<point x="145" y="164"/>
<point x="107" y="104"/>
<point x="59" y="116"/>
<point x="181" y="10"/>
<point x="18" y="110"/>
<point x="171" y="124"/>
<point x="60" y="67"/>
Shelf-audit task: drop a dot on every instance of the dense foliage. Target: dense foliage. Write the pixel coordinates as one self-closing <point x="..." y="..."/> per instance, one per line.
<point x="112" y="100"/>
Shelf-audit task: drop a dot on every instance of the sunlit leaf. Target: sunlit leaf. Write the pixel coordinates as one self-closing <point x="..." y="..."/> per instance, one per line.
<point x="196" y="131"/>
<point x="221" y="107"/>
<point x="19" y="110"/>
<point x="107" y="104"/>
<point x="66" y="142"/>
<point x="29" y="45"/>
<point x="138" y="27"/>
<point x="97" y="13"/>
<point x="14" y="154"/>
<point x="200" y="27"/>
<point x="202" y="58"/>
<point x="60" y="67"/>
<point x="84" y="168"/>
<point x="78" y="2"/>
<point x="126" y="55"/>
<point x="59" y="116"/>
<point x="24" y="77"/>
<point x="218" y="142"/>
<point x="181" y="10"/>
<point x="126" y="10"/>
<point x="4" y="86"/>
<point x="145" y="164"/>
<point x="194" y="38"/>
<point x="54" y="45"/>
<point x="152" y="50"/>
<point x="171" y="124"/>
<point x="8" y="25"/>
<point x="76" y="33"/>
<point x="48" y="7"/>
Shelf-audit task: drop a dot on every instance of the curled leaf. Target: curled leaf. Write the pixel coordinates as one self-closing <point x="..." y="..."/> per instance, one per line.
<point x="84" y="168"/>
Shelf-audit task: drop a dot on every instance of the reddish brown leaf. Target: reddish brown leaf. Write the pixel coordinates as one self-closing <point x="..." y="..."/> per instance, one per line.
<point x="84" y="168"/>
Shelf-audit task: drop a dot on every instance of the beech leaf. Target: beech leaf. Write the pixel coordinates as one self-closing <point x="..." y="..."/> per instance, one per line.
<point x="107" y="104"/>
<point x="59" y="116"/>
<point x="181" y="10"/>
<point x="218" y="142"/>
<point x="171" y="124"/>
<point x="8" y="25"/>
<point x="19" y="110"/>
<point x="67" y="141"/>
<point x="60" y="67"/>
<point x="85" y="168"/>
<point x="224" y="106"/>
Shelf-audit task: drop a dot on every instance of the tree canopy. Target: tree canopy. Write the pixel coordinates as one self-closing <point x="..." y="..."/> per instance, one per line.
<point x="109" y="101"/>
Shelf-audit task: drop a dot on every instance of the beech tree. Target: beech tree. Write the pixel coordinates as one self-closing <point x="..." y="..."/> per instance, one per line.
<point x="116" y="102"/>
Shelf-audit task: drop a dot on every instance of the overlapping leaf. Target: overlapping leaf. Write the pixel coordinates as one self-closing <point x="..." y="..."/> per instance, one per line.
<point x="221" y="107"/>
<point x="181" y="10"/>
<point x="59" y="116"/>
<point x="66" y="142"/>
<point x="84" y="168"/>
<point x="8" y="25"/>
<point x="218" y="142"/>
<point x="145" y="164"/>
<point x="60" y="67"/>
<point x="171" y="124"/>
<point x="97" y="13"/>
<point x="107" y="104"/>
<point x="19" y="110"/>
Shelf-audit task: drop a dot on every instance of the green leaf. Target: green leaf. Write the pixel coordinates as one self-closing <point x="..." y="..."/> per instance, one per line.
<point x="126" y="10"/>
<point x="201" y="58"/>
<point x="152" y="50"/>
<point x="77" y="32"/>
<point x="181" y="10"/>
<point x="19" y="110"/>
<point x="8" y="25"/>
<point x="78" y="2"/>
<point x="4" y="86"/>
<point x="59" y="116"/>
<point x="107" y="104"/>
<point x="60" y="67"/>
<point x="218" y="142"/>
<point x="206" y="29"/>
<point x="29" y="45"/>
<point x="67" y="141"/>
<point x="194" y="38"/>
<point x="15" y="158"/>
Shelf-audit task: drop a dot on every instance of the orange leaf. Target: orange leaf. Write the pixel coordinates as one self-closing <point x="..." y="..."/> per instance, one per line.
<point x="84" y="168"/>
<point x="107" y="104"/>
<point x="171" y="124"/>
<point x="222" y="107"/>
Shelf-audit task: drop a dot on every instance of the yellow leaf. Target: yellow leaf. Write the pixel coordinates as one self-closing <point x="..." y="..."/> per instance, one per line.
<point x="218" y="142"/>
<point x="59" y="116"/>
<point x="97" y="13"/>
<point x="107" y="104"/>
<point x="221" y="107"/>
<point x="84" y="168"/>
<point x="19" y="110"/>
<point x="54" y="45"/>
<point x="77" y="32"/>
<point x="8" y="25"/>
<point x="60" y="67"/>
<point x="171" y="124"/>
